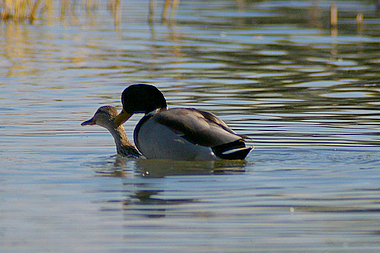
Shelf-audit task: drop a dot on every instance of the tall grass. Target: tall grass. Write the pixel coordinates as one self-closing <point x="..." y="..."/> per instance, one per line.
<point x="20" y="9"/>
<point x="30" y="10"/>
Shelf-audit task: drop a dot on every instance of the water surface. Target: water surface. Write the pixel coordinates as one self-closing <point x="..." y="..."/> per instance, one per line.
<point x="306" y="95"/>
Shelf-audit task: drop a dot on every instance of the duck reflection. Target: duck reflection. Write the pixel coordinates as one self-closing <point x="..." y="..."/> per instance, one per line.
<point x="160" y="168"/>
<point x="152" y="168"/>
<point x="152" y="188"/>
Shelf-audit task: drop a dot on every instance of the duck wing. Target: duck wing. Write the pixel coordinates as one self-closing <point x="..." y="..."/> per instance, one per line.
<point x="198" y="127"/>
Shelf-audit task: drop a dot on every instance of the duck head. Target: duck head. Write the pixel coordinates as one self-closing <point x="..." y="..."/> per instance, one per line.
<point x="140" y="98"/>
<point x="104" y="117"/>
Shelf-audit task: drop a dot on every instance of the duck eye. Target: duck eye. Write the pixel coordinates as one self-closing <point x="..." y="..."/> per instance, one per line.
<point x="102" y="110"/>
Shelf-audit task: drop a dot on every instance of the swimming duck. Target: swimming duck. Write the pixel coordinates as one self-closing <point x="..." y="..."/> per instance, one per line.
<point x="105" y="117"/>
<point x="177" y="133"/>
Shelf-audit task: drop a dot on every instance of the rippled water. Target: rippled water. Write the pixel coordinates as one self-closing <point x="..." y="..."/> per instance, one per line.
<point x="306" y="95"/>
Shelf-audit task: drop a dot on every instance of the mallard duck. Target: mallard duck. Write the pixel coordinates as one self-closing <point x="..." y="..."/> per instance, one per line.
<point x="105" y="117"/>
<point x="177" y="133"/>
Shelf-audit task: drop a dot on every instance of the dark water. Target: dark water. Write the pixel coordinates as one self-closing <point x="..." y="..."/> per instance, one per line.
<point x="307" y="95"/>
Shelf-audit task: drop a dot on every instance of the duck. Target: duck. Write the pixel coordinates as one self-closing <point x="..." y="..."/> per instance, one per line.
<point x="178" y="133"/>
<point x="105" y="117"/>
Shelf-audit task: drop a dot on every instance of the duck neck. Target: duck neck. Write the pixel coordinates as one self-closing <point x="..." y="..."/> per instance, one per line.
<point x="123" y="146"/>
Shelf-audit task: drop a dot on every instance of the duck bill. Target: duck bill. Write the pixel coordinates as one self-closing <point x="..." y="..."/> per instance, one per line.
<point x="89" y="122"/>
<point x="121" y="118"/>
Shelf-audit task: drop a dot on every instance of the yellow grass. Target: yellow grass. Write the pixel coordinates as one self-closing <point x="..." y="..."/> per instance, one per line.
<point x="20" y="10"/>
<point x="30" y="10"/>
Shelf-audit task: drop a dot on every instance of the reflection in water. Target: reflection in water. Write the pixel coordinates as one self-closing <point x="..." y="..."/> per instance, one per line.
<point x="146" y="191"/>
<point x="159" y="168"/>
<point x="151" y="168"/>
<point x="278" y="201"/>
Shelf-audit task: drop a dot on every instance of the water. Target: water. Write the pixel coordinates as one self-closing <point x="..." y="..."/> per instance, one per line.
<point x="308" y="96"/>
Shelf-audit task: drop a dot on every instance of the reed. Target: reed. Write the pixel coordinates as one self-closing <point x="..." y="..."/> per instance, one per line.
<point x="168" y="4"/>
<point x="30" y="10"/>
<point x="21" y="10"/>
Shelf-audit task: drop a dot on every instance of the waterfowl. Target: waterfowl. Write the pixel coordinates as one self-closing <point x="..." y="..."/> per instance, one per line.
<point x="177" y="133"/>
<point x="105" y="117"/>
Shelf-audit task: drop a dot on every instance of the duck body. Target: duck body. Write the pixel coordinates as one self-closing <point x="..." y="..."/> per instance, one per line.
<point x="178" y="133"/>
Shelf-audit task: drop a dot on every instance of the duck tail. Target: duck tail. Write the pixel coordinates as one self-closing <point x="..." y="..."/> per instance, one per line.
<point x="232" y="151"/>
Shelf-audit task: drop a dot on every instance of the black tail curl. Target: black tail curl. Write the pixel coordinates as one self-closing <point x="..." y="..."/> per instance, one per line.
<point x="232" y="151"/>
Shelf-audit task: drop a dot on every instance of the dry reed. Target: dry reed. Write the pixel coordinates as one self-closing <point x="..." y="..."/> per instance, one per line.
<point x="19" y="9"/>
<point x="30" y="10"/>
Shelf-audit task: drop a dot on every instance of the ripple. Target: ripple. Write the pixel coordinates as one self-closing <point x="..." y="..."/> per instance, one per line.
<point x="317" y="84"/>
<point x="347" y="94"/>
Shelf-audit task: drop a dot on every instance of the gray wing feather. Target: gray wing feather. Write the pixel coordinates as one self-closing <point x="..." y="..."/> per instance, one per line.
<point x="196" y="126"/>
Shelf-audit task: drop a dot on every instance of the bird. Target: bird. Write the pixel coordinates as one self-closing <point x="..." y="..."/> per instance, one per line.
<point x="105" y="117"/>
<point x="178" y="133"/>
